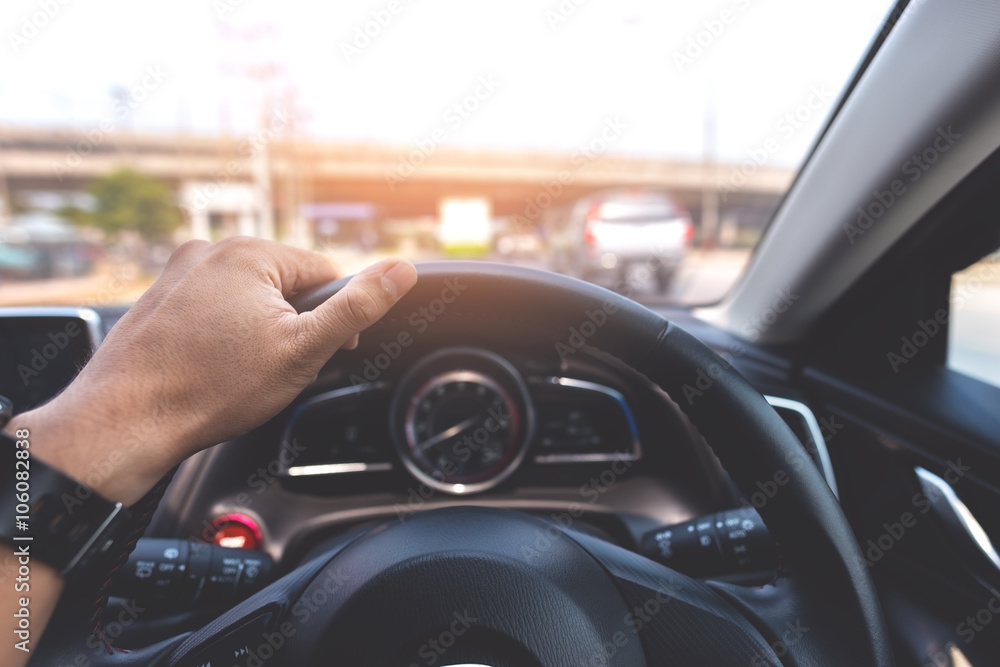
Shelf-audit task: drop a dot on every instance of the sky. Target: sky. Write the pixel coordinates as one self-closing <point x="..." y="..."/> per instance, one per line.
<point x="528" y="75"/>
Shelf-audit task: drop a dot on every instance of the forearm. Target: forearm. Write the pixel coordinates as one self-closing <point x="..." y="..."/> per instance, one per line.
<point x="78" y="445"/>
<point x="30" y="592"/>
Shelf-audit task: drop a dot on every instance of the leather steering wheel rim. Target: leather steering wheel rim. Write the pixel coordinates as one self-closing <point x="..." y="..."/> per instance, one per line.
<point x="754" y="445"/>
<point x="824" y="588"/>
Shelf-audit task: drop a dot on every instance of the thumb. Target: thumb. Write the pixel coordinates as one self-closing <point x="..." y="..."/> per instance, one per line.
<point x="362" y="302"/>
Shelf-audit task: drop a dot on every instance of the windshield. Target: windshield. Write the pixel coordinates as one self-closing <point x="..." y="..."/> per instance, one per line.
<point x="429" y="129"/>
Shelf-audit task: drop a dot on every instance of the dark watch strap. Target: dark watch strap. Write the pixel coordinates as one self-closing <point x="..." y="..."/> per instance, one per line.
<point x="49" y="516"/>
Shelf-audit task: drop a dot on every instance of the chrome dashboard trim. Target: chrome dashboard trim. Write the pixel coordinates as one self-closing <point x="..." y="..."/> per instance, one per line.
<point x="826" y="466"/>
<point x="337" y="469"/>
<point x="90" y="317"/>
<point x="934" y="487"/>
<point x="323" y="469"/>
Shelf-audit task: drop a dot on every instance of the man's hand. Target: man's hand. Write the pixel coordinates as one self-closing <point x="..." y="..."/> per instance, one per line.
<point x="212" y="350"/>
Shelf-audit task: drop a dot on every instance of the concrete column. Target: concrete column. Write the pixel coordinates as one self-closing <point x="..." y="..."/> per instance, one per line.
<point x="246" y="225"/>
<point x="265" y="228"/>
<point x="199" y="224"/>
<point x="300" y="231"/>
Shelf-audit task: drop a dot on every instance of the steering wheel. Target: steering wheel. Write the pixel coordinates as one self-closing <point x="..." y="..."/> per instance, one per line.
<point x="467" y="585"/>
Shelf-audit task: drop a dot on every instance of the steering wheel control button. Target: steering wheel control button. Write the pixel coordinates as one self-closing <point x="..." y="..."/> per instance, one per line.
<point x="247" y="645"/>
<point x="733" y="542"/>
<point x="172" y="574"/>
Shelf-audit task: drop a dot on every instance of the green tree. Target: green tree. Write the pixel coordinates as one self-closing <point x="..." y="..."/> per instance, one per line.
<point x="129" y="200"/>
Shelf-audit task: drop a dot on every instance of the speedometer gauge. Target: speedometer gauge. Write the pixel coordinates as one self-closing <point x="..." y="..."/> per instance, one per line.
<point x="462" y="426"/>
<point x="465" y="420"/>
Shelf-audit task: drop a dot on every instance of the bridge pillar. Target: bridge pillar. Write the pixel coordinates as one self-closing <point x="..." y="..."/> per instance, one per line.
<point x="263" y="226"/>
<point x="199" y="224"/>
<point x="300" y="231"/>
<point x="246" y="225"/>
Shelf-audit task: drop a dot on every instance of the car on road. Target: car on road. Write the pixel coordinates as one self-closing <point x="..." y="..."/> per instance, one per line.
<point x="605" y="236"/>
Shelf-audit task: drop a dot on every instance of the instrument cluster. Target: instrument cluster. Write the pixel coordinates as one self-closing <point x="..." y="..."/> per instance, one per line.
<point x="461" y="421"/>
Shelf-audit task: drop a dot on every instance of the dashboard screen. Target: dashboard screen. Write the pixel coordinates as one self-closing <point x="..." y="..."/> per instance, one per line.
<point x="40" y="355"/>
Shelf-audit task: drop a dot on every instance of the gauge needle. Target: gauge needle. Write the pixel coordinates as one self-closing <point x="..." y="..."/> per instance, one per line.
<point x="449" y="433"/>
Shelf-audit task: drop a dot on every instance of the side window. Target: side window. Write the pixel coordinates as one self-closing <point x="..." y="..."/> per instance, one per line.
<point x="974" y="327"/>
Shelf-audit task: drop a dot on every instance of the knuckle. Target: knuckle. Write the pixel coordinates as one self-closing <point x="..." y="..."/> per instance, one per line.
<point x="187" y="254"/>
<point x="240" y="253"/>
<point x="237" y="244"/>
<point x="189" y="248"/>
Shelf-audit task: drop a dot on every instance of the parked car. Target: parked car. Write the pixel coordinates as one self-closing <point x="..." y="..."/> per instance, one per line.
<point x="37" y="246"/>
<point x="517" y="240"/>
<point x="602" y="236"/>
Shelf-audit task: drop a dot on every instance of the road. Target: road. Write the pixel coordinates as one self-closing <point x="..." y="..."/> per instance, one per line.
<point x="705" y="277"/>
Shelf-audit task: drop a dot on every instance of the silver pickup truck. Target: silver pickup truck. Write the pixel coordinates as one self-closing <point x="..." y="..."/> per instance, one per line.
<point x="604" y="236"/>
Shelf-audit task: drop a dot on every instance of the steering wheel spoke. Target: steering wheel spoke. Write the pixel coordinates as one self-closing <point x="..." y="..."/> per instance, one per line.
<point x="798" y="620"/>
<point x="679" y="620"/>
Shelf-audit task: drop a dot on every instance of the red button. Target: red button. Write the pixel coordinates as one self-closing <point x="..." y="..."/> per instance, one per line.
<point x="236" y="531"/>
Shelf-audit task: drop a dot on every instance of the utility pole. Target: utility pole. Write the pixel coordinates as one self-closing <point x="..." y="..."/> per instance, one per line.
<point x="297" y="227"/>
<point x="5" y="204"/>
<point x="709" y="192"/>
<point x="262" y="72"/>
<point x="121" y="99"/>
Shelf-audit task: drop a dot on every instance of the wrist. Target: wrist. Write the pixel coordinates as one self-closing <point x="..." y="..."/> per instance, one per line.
<point x="84" y="449"/>
<point x="50" y="517"/>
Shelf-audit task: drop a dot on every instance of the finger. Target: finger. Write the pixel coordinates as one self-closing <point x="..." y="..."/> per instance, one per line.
<point x="361" y="303"/>
<point x="297" y="269"/>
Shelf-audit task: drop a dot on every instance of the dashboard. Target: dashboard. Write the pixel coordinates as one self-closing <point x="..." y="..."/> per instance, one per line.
<point x="394" y="428"/>
<point x="41" y="350"/>
<point x="379" y="437"/>
<point x="388" y="429"/>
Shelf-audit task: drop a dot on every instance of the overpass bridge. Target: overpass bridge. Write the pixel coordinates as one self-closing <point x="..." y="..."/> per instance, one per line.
<point x="399" y="181"/>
